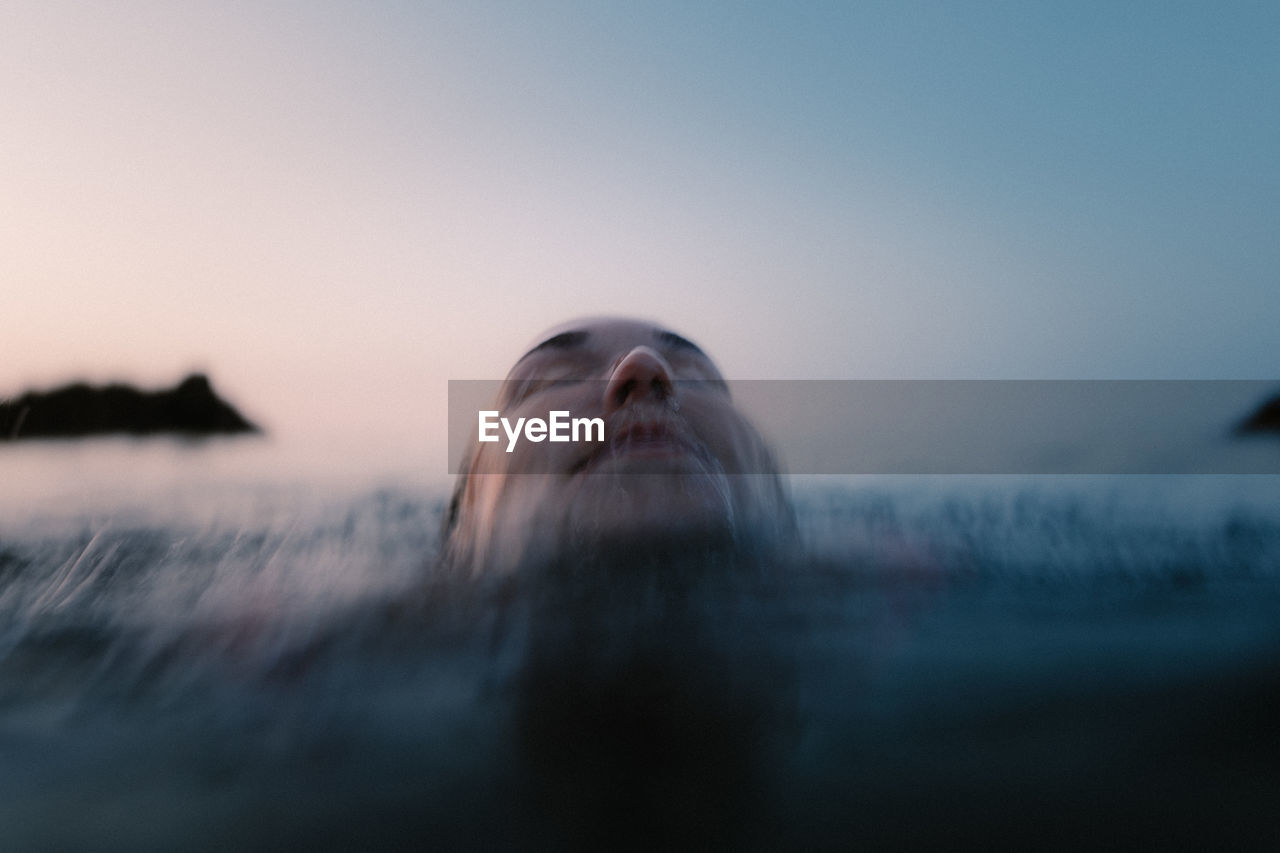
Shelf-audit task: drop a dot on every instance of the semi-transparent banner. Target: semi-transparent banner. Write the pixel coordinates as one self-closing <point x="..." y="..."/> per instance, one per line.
<point x="888" y="426"/>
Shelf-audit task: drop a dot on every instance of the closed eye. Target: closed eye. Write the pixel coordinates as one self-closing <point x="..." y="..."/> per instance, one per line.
<point x="523" y="389"/>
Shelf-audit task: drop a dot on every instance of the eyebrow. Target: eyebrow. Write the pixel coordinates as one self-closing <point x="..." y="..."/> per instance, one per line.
<point x="564" y="340"/>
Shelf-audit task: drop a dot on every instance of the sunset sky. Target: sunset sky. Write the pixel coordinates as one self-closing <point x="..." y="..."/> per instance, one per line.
<point x="334" y="207"/>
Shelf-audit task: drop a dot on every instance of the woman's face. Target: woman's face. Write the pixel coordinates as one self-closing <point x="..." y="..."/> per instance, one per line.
<point x="678" y="461"/>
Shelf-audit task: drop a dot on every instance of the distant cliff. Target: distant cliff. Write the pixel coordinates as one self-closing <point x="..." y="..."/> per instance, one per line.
<point x="1266" y="418"/>
<point x="190" y="408"/>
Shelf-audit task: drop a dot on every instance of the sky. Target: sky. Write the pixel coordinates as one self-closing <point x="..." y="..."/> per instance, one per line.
<point x="334" y="208"/>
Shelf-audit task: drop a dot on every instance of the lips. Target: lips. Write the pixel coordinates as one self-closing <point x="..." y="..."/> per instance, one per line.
<point x="644" y="439"/>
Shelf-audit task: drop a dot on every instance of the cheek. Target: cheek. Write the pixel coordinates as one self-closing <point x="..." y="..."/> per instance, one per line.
<point x="731" y="439"/>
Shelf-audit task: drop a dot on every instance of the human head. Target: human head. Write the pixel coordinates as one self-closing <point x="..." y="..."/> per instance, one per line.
<point x="680" y="466"/>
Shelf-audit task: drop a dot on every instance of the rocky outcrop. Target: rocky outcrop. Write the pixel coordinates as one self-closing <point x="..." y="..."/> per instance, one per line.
<point x="1265" y="419"/>
<point x="190" y="408"/>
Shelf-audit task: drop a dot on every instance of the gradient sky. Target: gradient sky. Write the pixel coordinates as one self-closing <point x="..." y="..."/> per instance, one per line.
<point x="336" y="207"/>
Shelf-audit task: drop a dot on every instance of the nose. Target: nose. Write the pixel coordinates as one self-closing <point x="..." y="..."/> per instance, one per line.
<point x="641" y="374"/>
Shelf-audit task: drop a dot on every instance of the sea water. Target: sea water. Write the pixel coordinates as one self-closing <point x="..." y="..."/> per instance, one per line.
<point x="244" y="644"/>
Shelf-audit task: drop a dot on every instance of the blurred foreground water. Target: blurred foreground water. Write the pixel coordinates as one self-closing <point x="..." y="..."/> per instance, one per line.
<point x="203" y="647"/>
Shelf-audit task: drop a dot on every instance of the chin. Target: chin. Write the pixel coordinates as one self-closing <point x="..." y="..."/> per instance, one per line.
<point x="651" y="512"/>
<point x="610" y="518"/>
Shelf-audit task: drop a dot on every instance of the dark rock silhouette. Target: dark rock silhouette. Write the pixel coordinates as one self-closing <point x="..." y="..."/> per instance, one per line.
<point x="1266" y="418"/>
<point x="191" y="408"/>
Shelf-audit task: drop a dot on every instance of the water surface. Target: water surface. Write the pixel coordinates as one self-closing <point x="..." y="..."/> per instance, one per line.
<point x="246" y="644"/>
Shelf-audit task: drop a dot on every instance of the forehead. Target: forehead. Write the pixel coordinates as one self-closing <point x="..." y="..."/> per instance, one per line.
<point x="608" y="337"/>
